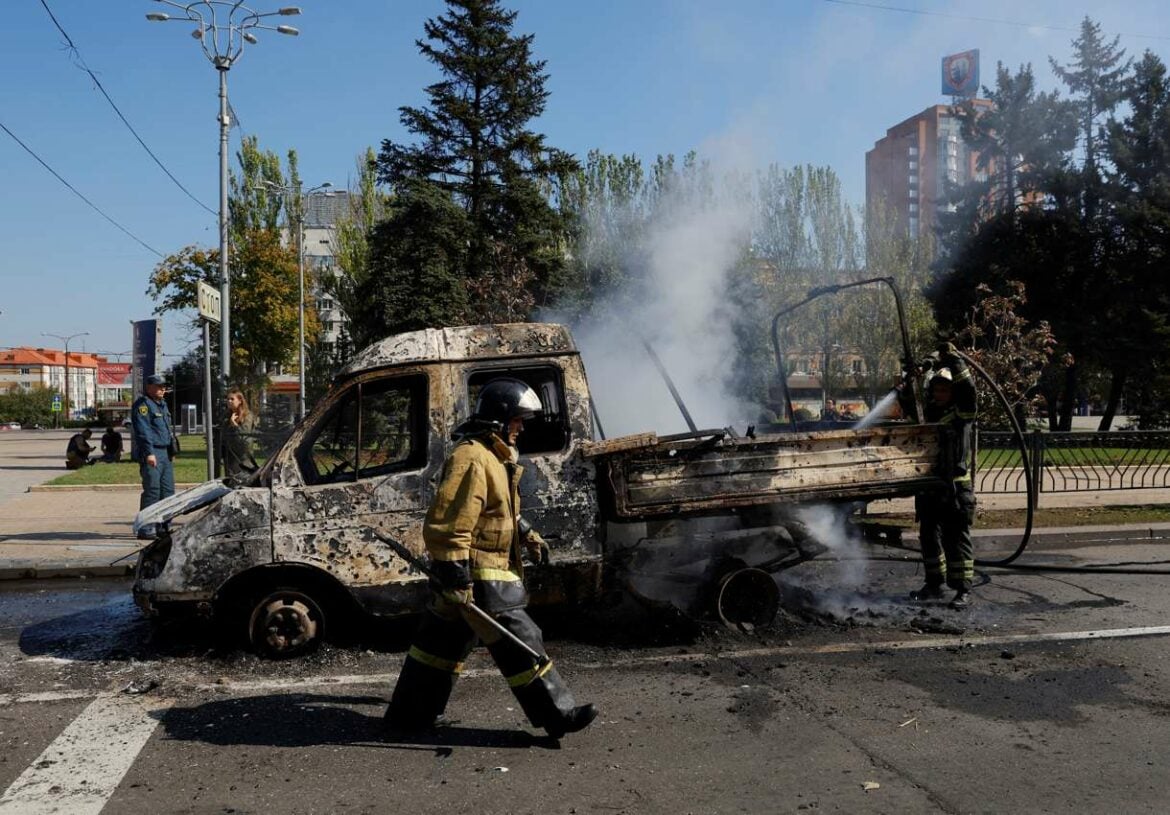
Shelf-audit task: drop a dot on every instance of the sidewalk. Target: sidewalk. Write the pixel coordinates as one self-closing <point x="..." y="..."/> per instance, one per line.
<point x="70" y="533"/>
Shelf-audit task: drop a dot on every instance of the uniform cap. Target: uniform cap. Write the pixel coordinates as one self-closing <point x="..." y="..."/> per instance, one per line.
<point x="156" y="379"/>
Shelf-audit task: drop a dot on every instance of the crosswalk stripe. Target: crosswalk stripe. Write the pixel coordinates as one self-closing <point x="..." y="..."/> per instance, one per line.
<point x="79" y="771"/>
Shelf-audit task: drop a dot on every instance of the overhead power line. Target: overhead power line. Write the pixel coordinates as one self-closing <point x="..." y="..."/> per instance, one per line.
<point x="972" y="19"/>
<point x="80" y="63"/>
<point x="74" y="190"/>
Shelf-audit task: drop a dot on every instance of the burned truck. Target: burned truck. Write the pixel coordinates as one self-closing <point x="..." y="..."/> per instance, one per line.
<point x="281" y="556"/>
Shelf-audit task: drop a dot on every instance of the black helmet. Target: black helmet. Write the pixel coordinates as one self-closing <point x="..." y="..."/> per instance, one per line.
<point x="504" y="399"/>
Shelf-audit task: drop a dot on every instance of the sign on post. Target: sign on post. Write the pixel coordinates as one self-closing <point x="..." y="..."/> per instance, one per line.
<point x="209" y="308"/>
<point x="56" y="408"/>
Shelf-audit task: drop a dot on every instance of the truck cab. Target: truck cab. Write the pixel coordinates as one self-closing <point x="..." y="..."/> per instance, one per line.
<point x="284" y="554"/>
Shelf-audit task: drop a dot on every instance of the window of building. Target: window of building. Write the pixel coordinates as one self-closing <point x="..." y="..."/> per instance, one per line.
<point x="913" y="226"/>
<point x="912" y="151"/>
<point x="913" y="181"/>
<point x="377" y="428"/>
<point x="25" y="371"/>
<point x="913" y="165"/>
<point x="857" y="366"/>
<point x="548" y="432"/>
<point x="913" y="207"/>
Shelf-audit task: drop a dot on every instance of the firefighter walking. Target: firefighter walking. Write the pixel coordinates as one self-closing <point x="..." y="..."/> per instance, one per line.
<point x="474" y="535"/>
<point x="945" y="517"/>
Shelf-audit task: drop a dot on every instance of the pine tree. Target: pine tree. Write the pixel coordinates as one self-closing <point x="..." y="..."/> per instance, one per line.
<point x="474" y="149"/>
<point x="1096" y="80"/>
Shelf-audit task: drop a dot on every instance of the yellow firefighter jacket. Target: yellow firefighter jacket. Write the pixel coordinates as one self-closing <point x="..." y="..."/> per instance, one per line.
<point x="473" y="516"/>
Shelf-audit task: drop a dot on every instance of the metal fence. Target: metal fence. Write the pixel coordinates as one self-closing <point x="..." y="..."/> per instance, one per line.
<point x="1075" y="461"/>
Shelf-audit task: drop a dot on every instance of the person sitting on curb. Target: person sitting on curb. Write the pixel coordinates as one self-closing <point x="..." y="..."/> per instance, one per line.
<point x="111" y="446"/>
<point x="77" y="453"/>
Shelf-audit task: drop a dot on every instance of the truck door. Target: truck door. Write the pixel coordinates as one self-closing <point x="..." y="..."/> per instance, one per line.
<point x="557" y="489"/>
<point x="365" y="463"/>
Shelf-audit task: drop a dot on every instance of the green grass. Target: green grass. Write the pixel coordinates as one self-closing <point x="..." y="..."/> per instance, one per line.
<point x="1053" y="516"/>
<point x="190" y="468"/>
<point x="1074" y="457"/>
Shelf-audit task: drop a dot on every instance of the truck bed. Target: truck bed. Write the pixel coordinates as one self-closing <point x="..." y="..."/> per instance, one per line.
<point x="652" y="477"/>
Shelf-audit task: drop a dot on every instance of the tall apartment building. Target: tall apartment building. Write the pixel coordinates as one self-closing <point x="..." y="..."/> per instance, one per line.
<point x="322" y="212"/>
<point x="907" y="171"/>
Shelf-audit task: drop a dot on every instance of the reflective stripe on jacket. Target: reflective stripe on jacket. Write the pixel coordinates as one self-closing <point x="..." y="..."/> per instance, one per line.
<point x="473" y="515"/>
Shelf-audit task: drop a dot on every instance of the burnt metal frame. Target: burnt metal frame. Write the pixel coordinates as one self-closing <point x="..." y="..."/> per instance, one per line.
<point x="818" y="291"/>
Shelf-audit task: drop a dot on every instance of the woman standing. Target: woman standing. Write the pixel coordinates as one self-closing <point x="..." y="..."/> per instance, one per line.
<point x="237" y="456"/>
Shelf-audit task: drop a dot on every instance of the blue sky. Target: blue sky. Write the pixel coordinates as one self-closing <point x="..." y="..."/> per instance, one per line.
<point x="809" y="81"/>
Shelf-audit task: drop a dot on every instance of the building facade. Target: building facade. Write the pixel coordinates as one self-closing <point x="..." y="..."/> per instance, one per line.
<point x="27" y="368"/>
<point x="907" y="172"/>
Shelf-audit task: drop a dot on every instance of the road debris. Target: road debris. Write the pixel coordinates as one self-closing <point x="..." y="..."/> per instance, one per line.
<point x="139" y="686"/>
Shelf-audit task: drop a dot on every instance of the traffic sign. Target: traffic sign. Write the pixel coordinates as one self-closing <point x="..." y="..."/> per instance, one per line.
<point x="209" y="302"/>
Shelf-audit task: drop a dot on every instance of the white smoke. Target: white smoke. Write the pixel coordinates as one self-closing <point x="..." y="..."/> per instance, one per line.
<point x="680" y="306"/>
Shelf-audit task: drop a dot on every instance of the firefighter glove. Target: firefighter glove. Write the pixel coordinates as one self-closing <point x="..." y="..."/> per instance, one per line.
<point x="537" y="549"/>
<point x="948" y="350"/>
<point x="452" y="579"/>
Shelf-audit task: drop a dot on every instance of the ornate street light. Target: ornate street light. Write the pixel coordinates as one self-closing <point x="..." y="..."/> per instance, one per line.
<point x="66" y="339"/>
<point x="222" y="28"/>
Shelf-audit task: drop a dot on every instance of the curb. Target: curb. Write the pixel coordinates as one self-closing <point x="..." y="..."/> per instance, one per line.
<point x="45" y="571"/>
<point x="97" y="487"/>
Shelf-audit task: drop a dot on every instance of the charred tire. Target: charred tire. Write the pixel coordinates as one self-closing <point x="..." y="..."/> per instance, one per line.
<point x="285" y="622"/>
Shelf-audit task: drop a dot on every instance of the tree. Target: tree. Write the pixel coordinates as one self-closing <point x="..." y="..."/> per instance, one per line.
<point x="31" y="407"/>
<point x="1021" y="140"/>
<point x="265" y="271"/>
<point x="412" y="254"/>
<point x="1138" y="193"/>
<point x="1011" y="350"/>
<point x="1096" y="80"/>
<point x="474" y="152"/>
<point x="264" y="300"/>
<point x="350" y="284"/>
<point x="872" y="318"/>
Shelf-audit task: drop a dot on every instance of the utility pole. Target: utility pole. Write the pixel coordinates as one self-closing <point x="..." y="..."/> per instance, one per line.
<point x="66" y="340"/>
<point x="286" y="192"/>
<point x="222" y="28"/>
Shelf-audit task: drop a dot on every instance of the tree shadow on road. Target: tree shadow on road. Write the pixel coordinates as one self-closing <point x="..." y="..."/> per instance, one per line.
<point x="309" y="720"/>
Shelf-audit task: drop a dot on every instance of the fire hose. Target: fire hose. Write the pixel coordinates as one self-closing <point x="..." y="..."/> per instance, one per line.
<point x="1031" y="487"/>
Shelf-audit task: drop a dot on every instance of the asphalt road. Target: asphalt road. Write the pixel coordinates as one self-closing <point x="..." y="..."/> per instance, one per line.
<point x="1050" y="695"/>
<point x="30" y="457"/>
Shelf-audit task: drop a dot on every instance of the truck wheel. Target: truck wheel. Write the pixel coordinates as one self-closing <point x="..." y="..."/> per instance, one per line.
<point x="285" y="622"/>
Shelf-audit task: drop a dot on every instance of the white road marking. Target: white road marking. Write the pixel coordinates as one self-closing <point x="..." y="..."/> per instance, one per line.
<point x="7" y="699"/>
<point x="388" y="677"/>
<point x="80" y="770"/>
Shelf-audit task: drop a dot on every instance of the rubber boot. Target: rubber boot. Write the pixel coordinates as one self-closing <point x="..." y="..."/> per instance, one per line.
<point x="420" y="697"/>
<point x="548" y="703"/>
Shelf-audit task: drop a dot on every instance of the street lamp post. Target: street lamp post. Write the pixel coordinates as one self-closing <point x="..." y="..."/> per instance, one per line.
<point x="223" y="26"/>
<point x="286" y="191"/>
<point x="66" y="340"/>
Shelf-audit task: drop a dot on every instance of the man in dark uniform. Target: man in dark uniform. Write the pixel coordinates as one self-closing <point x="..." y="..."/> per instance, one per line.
<point x="474" y="535"/>
<point x="945" y="517"/>
<point x="154" y="441"/>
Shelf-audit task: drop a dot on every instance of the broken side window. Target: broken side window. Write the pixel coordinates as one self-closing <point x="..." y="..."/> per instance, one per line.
<point x="393" y="425"/>
<point x="332" y="454"/>
<point x="384" y="421"/>
<point x="548" y="431"/>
